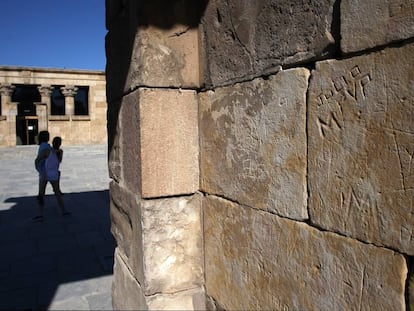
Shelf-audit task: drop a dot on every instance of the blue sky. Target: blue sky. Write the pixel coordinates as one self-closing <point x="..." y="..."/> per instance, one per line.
<point x="53" y="33"/>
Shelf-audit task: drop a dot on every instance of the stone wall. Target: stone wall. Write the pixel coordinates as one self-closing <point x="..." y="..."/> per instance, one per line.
<point x="74" y="129"/>
<point x="262" y="154"/>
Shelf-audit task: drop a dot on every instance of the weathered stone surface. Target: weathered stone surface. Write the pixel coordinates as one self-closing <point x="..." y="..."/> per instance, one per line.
<point x="361" y="147"/>
<point x="130" y="142"/>
<point x="169" y="57"/>
<point x="114" y="146"/>
<point x="169" y="142"/>
<point x="173" y="254"/>
<point x="193" y="299"/>
<point x="367" y="24"/>
<point x="245" y="39"/>
<point x="253" y="143"/>
<point x="126" y="227"/>
<point x="152" y="43"/>
<point x="127" y="293"/>
<point x="259" y="261"/>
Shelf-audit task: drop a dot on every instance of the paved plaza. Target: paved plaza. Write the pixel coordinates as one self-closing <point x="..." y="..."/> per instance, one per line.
<point x="62" y="263"/>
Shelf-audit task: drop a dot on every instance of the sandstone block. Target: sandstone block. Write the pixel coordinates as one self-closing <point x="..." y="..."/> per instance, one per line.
<point x="253" y="143"/>
<point x="244" y="39"/>
<point x="126" y="291"/>
<point x="366" y="24"/>
<point x="152" y="43"/>
<point x="168" y="57"/>
<point x="125" y="211"/>
<point x="361" y="147"/>
<point x="169" y="142"/>
<point x="258" y="261"/>
<point x="130" y="143"/>
<point x="113" y="129"/>
<point x="188" y="300"/>
<point x="173" y="254"/>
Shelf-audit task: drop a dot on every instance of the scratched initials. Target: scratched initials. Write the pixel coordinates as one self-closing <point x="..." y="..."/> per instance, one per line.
<point x="353" y="84"/>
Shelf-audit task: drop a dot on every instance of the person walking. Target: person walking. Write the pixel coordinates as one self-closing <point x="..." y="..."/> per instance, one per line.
<point x="42" y="154"/>
<point x="49" y="172"/>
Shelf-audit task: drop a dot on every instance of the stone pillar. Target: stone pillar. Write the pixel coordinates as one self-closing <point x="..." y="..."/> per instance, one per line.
<point x="153" y="156"/>
<point x="69" y="92"/>
<point x="6" y="91"/>
<point x="43" y="109"/>
<point x="9" y="110"/>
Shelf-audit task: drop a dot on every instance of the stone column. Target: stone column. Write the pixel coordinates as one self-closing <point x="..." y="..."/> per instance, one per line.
<point x="6" y="91"/>
<point x="9" y="110"/>
<point x="153" y="158"/>
<point x="69" y="92"/>
<point x="43" y="109"/>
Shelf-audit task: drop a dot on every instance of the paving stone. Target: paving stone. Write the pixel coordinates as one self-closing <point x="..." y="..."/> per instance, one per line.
<point x="89" y="238"/>
<point x="18" y="300"/>
<point x="74" y="303"/>
<point x="102" y="301"/>
<point x="81" y="263"/>
<point x="30" y="279"/>
<point x="59" y="242"/>
<point x="73" y="290"/>
<point x="32" y="264"/>
<point x="18" y="249"/>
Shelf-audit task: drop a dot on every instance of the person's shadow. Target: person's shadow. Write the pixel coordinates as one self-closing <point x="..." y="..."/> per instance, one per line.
<point x="60" y="263"/>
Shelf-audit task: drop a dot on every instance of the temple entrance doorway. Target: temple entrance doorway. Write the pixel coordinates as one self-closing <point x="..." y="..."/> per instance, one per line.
<point x="26" y="119"/>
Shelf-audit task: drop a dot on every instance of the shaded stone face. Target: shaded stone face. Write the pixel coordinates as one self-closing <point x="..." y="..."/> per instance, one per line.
<point x="247" y="38"/>
<point x="256" y="260"/>
<point x="361" y="147"/>
<point x="253" y="143"/>
<point x="152" y="43"/>
<point x="127" y="292"/>
<point x="126" y="227"/>
<point x="411" y="291"/>
<point x="366" y="24"/>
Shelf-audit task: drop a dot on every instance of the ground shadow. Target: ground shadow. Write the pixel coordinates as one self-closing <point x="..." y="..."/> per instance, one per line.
<point x="59" y="258"/>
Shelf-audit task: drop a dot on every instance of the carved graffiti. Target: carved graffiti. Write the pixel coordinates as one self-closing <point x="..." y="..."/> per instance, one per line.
<point x="351" y="85"/>
<point x="401" y="8"/>
<point x="283" y="101"/>
<point x="406" y="234"/>
<point x="329" y="124"/>
<point x="350" y="198"/>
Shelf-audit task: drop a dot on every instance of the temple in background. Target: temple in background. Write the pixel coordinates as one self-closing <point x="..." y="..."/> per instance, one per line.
<point x="66" y="102"/>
